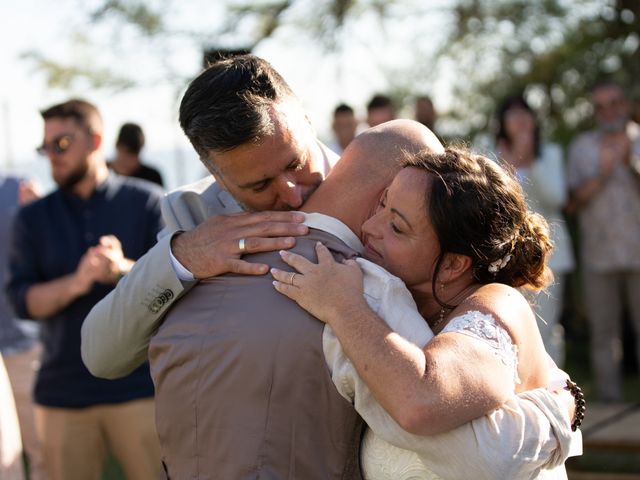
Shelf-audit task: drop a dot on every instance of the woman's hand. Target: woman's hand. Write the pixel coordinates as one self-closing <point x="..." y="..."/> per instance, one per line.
<point x="327" y="290"/>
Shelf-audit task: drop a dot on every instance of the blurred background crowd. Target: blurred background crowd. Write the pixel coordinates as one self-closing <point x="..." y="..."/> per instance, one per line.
<point x="549" y="89"/>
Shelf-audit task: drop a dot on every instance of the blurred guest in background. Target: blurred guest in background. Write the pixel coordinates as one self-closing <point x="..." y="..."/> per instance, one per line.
<point x="18" y="339"/>
<point x="425" y="113"/>
<point x="68" y="250"/>
<point x="344" y="127"/>
<point x="127" y="162"/>
<point x="540" y="169"/>
<point x="605" y="188"/>
<point x="380" y="109"/>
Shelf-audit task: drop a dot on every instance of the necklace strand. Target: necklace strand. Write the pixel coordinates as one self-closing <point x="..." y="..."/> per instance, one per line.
<point x="434" y="322"/>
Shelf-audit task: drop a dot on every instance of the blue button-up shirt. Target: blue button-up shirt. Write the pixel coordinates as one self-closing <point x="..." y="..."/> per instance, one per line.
<point x="49" y="238"/>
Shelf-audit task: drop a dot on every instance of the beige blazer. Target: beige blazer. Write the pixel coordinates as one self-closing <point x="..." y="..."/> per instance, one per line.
<point x="115" y="334"/>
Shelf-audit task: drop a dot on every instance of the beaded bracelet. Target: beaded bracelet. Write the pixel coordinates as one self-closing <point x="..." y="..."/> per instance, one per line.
<point x="581" y="405"/>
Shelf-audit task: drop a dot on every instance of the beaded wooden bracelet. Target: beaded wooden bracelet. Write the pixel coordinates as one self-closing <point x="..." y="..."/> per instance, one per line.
<point x="581" y="405"/>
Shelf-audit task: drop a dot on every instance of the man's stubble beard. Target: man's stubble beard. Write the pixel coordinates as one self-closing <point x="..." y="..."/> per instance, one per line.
<point x="74" y="177"/>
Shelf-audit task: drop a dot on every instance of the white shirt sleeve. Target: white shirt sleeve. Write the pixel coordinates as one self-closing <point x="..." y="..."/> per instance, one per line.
<point x="181" y="271"/>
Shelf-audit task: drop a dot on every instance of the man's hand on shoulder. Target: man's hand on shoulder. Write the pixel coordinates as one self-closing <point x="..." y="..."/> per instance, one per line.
<point x="213" y="247"/>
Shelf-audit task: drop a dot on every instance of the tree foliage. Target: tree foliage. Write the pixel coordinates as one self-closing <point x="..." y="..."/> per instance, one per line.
<point x="553" y="50"/>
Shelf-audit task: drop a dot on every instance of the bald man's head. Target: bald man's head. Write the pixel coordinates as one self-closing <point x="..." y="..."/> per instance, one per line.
<point x="351" y="191"/>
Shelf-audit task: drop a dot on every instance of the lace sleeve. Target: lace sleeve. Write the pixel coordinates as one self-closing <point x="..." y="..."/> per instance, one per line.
<point x="485" y="328"/>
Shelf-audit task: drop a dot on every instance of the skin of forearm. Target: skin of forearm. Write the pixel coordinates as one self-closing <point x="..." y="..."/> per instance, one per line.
<point x="425" y="393"/>
<point x="48" y="298"/>
<point x="386" y="362"/>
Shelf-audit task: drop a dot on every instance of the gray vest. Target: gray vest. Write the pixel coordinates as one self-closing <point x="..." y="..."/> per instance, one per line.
<point x="242" y="387"/>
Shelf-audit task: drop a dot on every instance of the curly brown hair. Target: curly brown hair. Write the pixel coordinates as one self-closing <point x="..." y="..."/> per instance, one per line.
<point x="478" y="209"/>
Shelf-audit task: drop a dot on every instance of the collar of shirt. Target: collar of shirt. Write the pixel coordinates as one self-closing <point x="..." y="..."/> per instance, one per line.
<point x="334" y="226"/>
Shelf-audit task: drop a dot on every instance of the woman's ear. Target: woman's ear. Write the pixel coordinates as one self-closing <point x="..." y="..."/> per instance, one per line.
<point x="454" y="266"/>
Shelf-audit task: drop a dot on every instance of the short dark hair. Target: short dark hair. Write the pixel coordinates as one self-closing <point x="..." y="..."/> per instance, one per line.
<point x="343" y="108"/>
<point x="608" y="83"/>
<point x="478" y="209"/>
<point x="131" y="137"/>
<point x="84" y="113"/>
<point x="229" y="103"/>
<point x="508" y="103"/>
<point x="379" y="101"/>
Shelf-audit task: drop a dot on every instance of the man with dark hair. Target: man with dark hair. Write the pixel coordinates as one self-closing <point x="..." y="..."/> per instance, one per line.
<point x="68" y="251"/>
<point x="344" y="127"/>
<point x="425" y="112"/>
<point x="380" y="109"/>
<point x="254" y="137"/>
<point x="127" y="162"/>
<point x="604" y="181"/>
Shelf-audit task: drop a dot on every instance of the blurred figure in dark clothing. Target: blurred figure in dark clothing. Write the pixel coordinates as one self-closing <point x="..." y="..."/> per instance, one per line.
<point x="127" y="162"/>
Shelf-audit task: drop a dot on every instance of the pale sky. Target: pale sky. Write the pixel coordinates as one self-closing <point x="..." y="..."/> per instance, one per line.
<point x="320" y="80"/>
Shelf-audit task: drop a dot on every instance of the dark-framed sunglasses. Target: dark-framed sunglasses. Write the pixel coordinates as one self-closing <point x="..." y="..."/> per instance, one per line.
<point x="58" y="145"/>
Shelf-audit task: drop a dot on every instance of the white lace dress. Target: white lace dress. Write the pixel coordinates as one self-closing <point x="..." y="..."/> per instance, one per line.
<point x="381" y="460"/>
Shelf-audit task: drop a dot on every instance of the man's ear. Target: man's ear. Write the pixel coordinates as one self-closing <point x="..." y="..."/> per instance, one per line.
<point x="454" y="266"/>
<point x="96" y="141"/>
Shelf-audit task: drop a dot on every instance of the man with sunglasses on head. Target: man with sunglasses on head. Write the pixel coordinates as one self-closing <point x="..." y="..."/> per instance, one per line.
<point x="604" y="181"/>
<point x="69" y="249"/>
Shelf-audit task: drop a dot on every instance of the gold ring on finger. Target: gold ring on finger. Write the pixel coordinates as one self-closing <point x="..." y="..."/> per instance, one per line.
<point x="242" y="246"/>
<point x="293" y="274"/>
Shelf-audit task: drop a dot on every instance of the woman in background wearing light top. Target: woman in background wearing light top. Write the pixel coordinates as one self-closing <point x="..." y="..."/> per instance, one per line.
<point x="540" y="170"/>
<point x="454" y="227"/>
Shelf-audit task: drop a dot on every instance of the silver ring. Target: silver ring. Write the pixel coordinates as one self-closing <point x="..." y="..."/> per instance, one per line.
<point x="241" y="246"/>
<point x="293" y="274"/>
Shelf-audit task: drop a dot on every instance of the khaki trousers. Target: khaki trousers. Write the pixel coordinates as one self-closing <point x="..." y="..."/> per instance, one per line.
<point x="75" y="441"/>
<point x="22" y="368"/>
<point x="604" y="296"/>
<point x="10" y="442"/>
